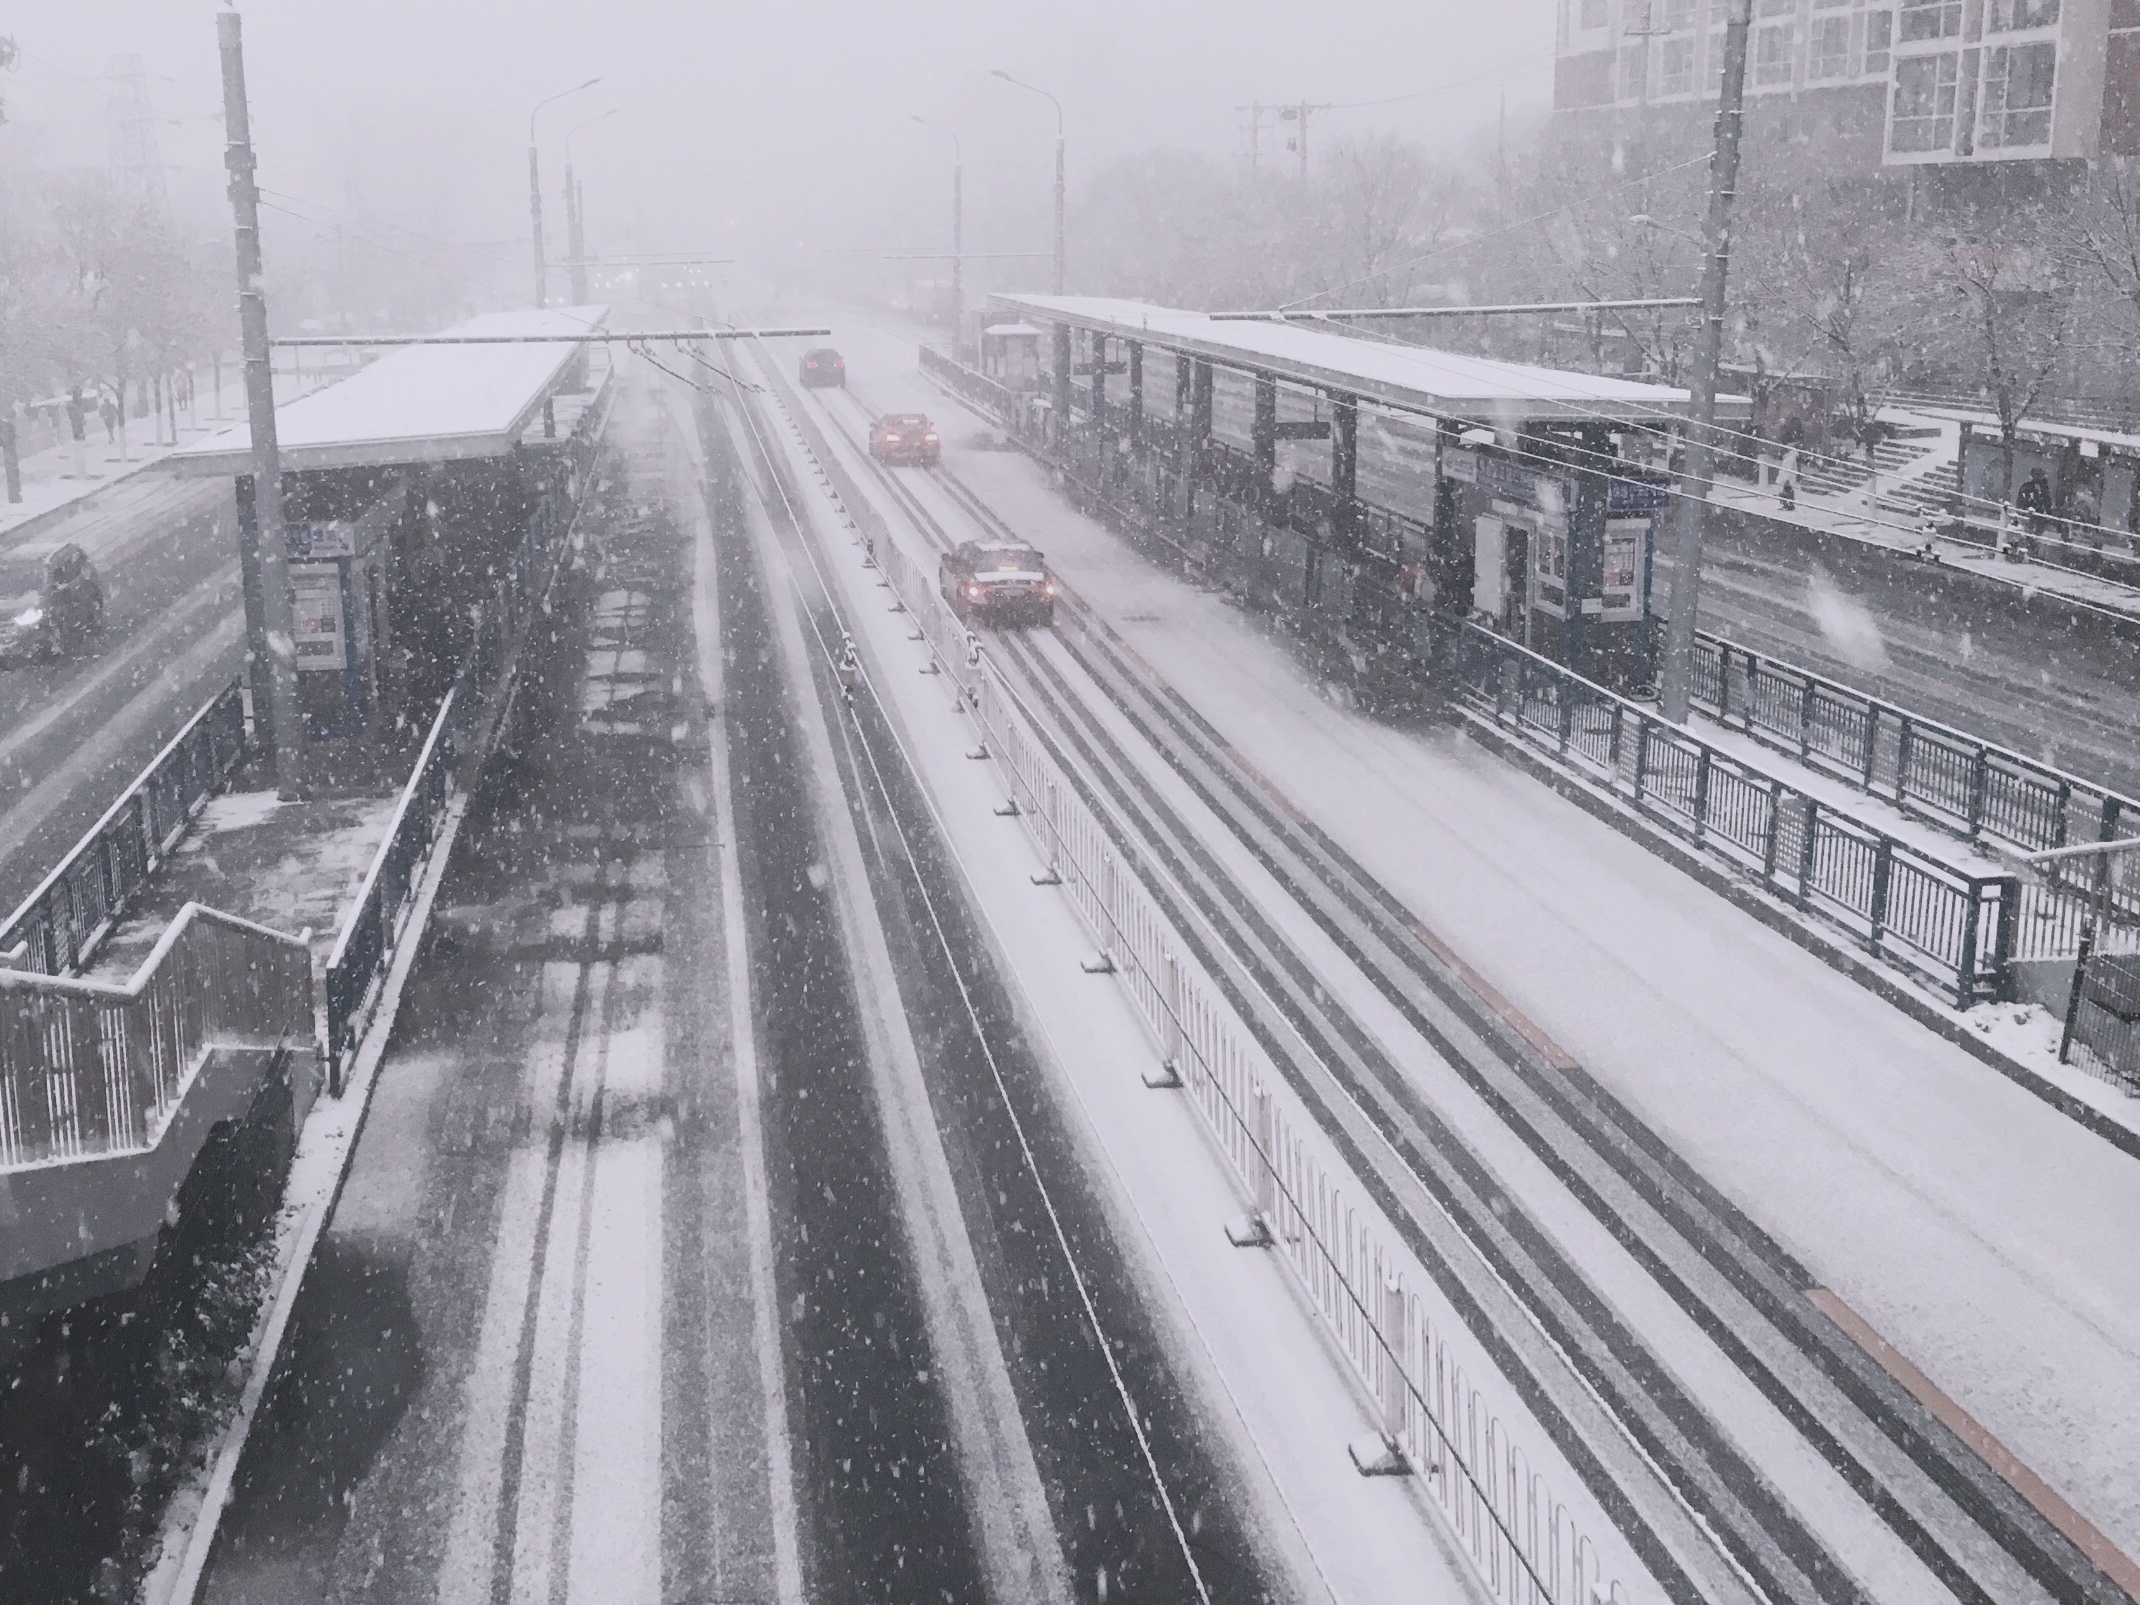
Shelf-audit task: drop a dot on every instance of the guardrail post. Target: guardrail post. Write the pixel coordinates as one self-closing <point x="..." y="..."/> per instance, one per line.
<point x="1883" y="879"/>
<point x="2007" y="938"/>
<point x="1565" y="711"/>
<point x="1170" y="1039"/>
<point x="1905" y="750"/>
<point x="1872" y="742"/>
<point x="1701" y="791"/>
<point x="1253" y="1230"/>
<point x="1805" y="716"/>
<point x="1979" y="784"/>
<point x="1642" y="754"/>
<point x="1809" y="831"/>
<point x="1775" y="828"/>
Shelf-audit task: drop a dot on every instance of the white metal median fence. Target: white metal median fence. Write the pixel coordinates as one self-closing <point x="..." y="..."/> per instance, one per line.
<point x="1372" y="1295"/>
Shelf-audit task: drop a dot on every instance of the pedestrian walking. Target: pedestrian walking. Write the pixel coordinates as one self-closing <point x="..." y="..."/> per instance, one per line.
<point x="78" y="430"/>
<point x="108" y="410"/>
<point x="1787" y="479"/>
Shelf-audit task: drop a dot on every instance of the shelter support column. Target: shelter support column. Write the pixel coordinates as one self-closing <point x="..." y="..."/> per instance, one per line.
<point x="1345" y="465"/>
<point x="1263" y="435"/>
<point x="1136" y="393"/>
<point x="1060" y="354"/>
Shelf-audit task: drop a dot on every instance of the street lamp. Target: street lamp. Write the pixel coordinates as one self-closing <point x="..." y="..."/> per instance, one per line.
<point x="535" y="188"/>
<point x="1058" y="105"/>
<point x="958" y="231"/>
<point x="575" y="217"/>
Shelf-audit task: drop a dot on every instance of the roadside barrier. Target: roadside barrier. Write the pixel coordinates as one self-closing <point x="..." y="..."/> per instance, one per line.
<point x="61" y="924"/>
<point x="1375" y="1300"/>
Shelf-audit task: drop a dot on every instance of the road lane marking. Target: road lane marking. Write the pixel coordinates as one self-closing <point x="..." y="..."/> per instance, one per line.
<point x="465" y="1577"/>
<point x="780" y="1472"/>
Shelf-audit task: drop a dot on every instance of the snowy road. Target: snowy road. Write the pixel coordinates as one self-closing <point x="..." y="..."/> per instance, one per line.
<point x="72" y="734"/>
<point x="685" y="1255"/>
<point x="1966" y="1200"/>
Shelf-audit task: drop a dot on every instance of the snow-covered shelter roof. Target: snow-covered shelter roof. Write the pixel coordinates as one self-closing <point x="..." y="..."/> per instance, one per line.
<point x="417" y="404"/>
<point x="1443" y="384"/>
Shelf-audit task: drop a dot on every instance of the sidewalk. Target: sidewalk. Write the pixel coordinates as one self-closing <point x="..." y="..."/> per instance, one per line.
<point x="50" y="485"/>
<point x="1859" y="515"/>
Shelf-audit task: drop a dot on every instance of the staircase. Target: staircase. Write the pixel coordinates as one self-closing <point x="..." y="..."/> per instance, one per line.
<point x="1933" y="492"/>
<point x="1843" y="476"/>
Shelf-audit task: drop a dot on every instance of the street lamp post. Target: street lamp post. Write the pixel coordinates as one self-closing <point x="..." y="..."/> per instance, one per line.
<point x="535" y="189"/>
<point x="575" y="217"/>
<point x="1058" y="105"/>
<point x="958" y="232"/>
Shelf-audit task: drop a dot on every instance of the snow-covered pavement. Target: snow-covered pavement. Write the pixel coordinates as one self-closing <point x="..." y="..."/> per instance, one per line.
<point x="1974" y="1227"/>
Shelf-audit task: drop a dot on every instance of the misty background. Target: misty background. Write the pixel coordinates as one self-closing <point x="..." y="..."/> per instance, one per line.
<point x="779" y="133"/>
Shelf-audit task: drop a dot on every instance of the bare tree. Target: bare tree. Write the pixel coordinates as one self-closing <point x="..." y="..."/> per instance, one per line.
<point x="2016" y="316"/>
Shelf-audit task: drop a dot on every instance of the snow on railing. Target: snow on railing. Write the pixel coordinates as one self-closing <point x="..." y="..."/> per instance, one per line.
<point x="88" y="1068"/>
<point x="1377" y="1301"/>
<point x="61" y="924"/>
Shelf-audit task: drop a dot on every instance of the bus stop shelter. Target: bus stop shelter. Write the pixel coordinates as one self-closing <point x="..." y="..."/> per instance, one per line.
<point x="405" y="487"/>
<point x="1532" y="494"/>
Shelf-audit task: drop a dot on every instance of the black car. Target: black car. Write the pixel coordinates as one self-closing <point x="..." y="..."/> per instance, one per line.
<point x="999" y="582"/>
<point x="823" y="367"/>
<point x="50" y="603"/>
<point x="905" y="437"/>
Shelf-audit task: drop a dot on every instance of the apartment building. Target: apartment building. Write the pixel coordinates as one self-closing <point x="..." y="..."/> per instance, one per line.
<point x="1875" y="83"/>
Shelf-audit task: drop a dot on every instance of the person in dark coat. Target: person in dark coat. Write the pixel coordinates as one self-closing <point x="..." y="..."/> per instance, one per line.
<point x="2034" y="499"/>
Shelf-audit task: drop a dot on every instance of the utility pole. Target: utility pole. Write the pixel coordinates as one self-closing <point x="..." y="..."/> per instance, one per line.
<point x="575" y="237"/>
<point x="542" y="272"/>
<point x="264" y="558"/>
<point x="1254" y="111"/>
<point x="1061" y="279"/>
<point x="1700" y="441"/>
<point x="542" y="275"/>
<point x="1299" y="112"/>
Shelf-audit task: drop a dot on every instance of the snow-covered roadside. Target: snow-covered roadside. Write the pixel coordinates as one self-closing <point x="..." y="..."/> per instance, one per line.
<point x="1976" y="1227"/>
<point x="1282" y="1392"/>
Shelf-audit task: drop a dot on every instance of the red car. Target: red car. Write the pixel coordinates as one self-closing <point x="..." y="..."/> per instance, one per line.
<point x="905" y="437"/>
<point x="822" y="368"/>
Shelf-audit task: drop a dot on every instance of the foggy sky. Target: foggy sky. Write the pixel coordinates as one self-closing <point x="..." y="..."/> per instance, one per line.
<point x="743" y="126"/>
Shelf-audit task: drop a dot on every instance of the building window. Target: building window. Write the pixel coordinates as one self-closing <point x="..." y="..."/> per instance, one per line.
<point x="1772" y="56"/>
<point x="1931" y="19"/>
<point x="2018" y="81"/>
<point x="1924" y="103"/>
<point x="1879" y="35"/>
<point x="1678" y="14"/>
<point x="2011" y="16"/>
<point x="1675" y="67"/>
<point x="1591" y="14"/>
<point x="1634" y="70"/>
<point x="1828" y="48"/>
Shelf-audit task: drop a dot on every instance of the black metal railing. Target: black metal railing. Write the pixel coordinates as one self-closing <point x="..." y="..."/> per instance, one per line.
<point x="364" y="948"/>
<point x="60" y="926"/>
<point x="1953" y="928"/>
